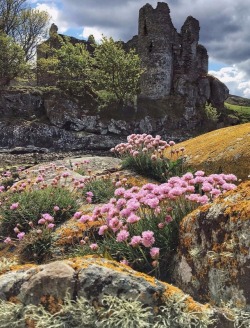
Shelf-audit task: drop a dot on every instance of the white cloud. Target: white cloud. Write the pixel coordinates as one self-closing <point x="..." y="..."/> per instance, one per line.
<point x="235" y="79"/>
<point x="87" y="31"/>
<point x="245" y="87"/>
<point x="55" y="14"/>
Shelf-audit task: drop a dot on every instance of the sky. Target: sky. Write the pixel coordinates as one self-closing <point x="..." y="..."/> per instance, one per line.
<point x="224" y="28"/>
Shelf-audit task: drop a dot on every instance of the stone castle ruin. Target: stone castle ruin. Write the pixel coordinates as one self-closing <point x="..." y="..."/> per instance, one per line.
<point x="175" y="85"/>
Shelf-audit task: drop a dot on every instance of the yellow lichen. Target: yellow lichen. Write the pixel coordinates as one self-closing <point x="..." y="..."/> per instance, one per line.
<point x="226" y="150"/>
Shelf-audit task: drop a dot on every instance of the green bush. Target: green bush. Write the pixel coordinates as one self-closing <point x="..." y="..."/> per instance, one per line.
<point x="102" y="188"/>
<point x="36" y="246"/>
<point x="33" y="203"/>
<point x="159" y="169"/>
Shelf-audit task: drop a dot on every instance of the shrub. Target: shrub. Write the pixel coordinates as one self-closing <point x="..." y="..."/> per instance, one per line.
<point x="99" y="190"/>
<point x="36" y="246"/>
<point x="144" y="154"/>
<point x="19" y="209"/>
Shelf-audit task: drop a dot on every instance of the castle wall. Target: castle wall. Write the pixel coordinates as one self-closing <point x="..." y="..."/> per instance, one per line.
<point x="155" y="48"/>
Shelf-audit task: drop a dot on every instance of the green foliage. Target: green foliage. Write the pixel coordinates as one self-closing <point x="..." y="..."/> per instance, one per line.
<point x="36" y="246"/>
<point x="74" y="68"/>
<point x="117" y="73"/>
<point x="159" y="169"/>
<point x="242" y="112"/>
<point x="103" y="189"/>
<point x="12" y="63"/>
<point x="211" y="113"/>
<point x="25" y="25"/>
<point x="33" y="203"/>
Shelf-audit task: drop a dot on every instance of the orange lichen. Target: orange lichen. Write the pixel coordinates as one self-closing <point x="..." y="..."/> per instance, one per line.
<point x="18" y="267"/>
<point x="73" y="230"/>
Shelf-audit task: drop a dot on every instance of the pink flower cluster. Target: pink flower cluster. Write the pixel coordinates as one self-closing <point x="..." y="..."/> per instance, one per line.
<point x="130" y="206"/>
<point x="48" y="220"/>
<point x="145" y="143"/>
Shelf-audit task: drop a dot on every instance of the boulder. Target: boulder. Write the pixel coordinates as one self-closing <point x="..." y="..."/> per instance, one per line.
<point x="225" y="150"/>
<point x="93" y="278"/>
<point x="213" y="262"/>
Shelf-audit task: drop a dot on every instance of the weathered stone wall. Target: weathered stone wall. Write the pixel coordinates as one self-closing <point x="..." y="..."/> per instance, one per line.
<point x="155" y="47"/>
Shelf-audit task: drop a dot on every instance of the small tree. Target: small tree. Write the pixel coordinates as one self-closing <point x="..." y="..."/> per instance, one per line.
<point x="117" y="72"/>
<point x="12" y="63"/>
<point x="74" y="68"/>
<point x="26" y="26"/>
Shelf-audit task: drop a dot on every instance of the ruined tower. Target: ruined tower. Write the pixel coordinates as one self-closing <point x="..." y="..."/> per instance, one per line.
<point x="167" y="55"/>
<point x="156" y="37"/>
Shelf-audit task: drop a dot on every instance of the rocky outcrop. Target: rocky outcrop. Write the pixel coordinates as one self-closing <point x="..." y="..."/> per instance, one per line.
<point x="93" y="278"/>
<point x="213" y="258"/>
<point x="225" y="150"/>
<point x="40" y="137"/>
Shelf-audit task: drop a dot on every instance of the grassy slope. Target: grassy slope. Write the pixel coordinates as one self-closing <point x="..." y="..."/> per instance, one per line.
<point x="239" y="106"/>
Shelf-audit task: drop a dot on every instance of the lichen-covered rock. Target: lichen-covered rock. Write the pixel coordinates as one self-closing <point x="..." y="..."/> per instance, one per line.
<point x="93" y="278"/>
<point x="225" y="150"/>
<point x="214" y="251"/>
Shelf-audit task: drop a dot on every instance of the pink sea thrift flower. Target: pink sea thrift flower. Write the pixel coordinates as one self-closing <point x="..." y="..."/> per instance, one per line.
<point x="47" y="217"/>
<point x="94" y="247"/>
<point x="41" y="221"/>
<point x="102" y="230"/>
<point x="51" y="225"/>
<point x="65" y="174"/>
<point x="133" y="218"/>
<point x="135" y="241"/>
<point x="7" y="240"/>
<point x="122" y="236"/>
<point x="77" y="215"/>
<point x="125" y="262"/>
<point x="199" y="173"/>
<point x="20" y="235"/>
<point x="16" y="230"/>
<point x="155" y="253"/>
<point x="14" y="206"/>
<point x="168" y="219"/>
<point x="85" y="218"/>
<point x="56" y="208"/>
<point x="148" y="238"/>
<point x="89" y="200"/>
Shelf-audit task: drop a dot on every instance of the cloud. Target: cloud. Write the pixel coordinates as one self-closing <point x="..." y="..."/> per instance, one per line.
<point x="55" y="14"/>
<point x="224" y="24"/>
<point x="235" y="79"/>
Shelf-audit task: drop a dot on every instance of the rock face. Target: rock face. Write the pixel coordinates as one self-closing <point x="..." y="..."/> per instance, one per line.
<point x="213" y="257"/>
<point x="32" y="121"/>
<point x="93" y="278"/>
<point x="225" y="150"/>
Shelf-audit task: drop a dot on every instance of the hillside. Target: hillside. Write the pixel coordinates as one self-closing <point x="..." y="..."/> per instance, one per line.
<point x="239" y="108"/>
